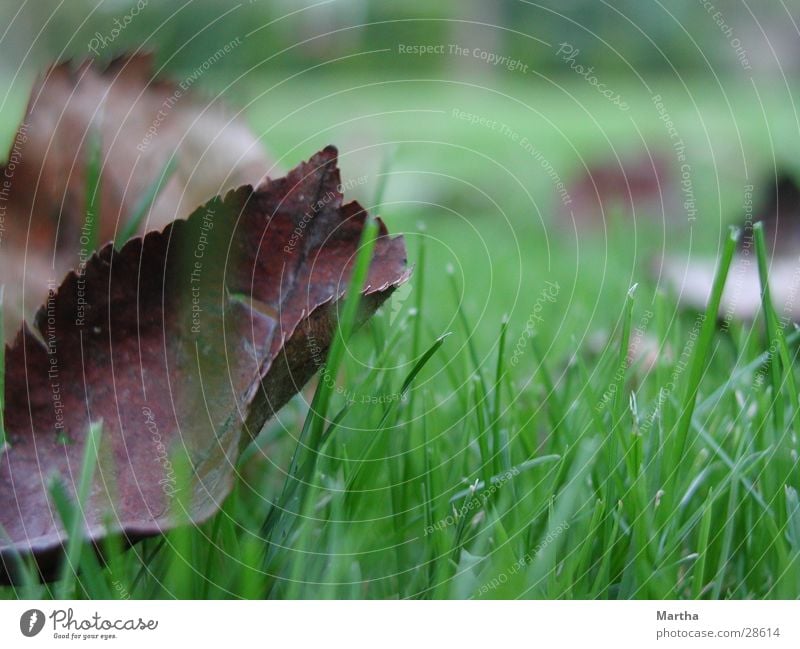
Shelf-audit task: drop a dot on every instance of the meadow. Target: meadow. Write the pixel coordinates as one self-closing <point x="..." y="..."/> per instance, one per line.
<point x="497" y="429"/>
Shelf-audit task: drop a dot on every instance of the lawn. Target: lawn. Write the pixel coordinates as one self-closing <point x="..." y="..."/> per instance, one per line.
<point x="521" y="455"/>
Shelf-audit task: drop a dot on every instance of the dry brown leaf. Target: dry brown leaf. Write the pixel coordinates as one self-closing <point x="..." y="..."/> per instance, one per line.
<point x="186" y="340"/>
<point x="141" y="121"/>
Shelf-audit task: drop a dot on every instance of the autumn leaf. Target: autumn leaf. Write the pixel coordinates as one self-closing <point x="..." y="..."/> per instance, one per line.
<point x="638" y="187"/>
<point x="182" y="343"/>
<point x="149" y="132"/>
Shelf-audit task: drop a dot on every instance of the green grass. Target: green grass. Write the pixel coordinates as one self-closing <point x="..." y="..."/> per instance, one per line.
<point x="94" y="166"/>
<point x="689" y="494"/>
<point x="143" y="205"/>
<point x="504" y="460"/>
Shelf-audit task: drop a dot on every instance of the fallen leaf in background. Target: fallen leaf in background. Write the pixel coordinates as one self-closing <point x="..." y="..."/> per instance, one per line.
<point x="779" y="209"/>
<point x="637" y="187"/>
<point x="691" y="278"/>
<point x="691" y="281"/>
<point x="190" y="339"/>
<point x="141" y="122"/>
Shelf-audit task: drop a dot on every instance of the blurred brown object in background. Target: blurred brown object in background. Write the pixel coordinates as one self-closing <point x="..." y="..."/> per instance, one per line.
<point x="640" y="187"/>
<point x="777" y="205"/>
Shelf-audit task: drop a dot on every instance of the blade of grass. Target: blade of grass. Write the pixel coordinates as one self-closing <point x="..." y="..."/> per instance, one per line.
<point x="502" y="448"/>
<point x="419" y="282"/>
<point x="406" y="384"/>
<point x="73" y="517"/>
<point x="469" y="333"/>
<point x="702" y="549"/>
<point x="564" y="508"/>
<point x="727" y="536"/>
<point x="90" y="584"/>
<point x="707" y="404"/>
<point x="776" y="337"/>
<point x="554" y="405"/>
<point x="476" y="489"/>
<point x="383" y="178"/>
<point x="143" y="205"/>
<point x="696" y="369"/>
<point x="584" y="553"/>
<point x="303" y="460"/>
<point x="146" y="562"/>
<point x="94" y="162"/>
<point x="601" y="582"/>
<point x="620" y="401"/>
<point x="23" y="577"/>
<point x="482" y="434"/>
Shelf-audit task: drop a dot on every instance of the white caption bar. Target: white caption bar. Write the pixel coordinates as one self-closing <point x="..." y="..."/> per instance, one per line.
<point x="403" y="625"/>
